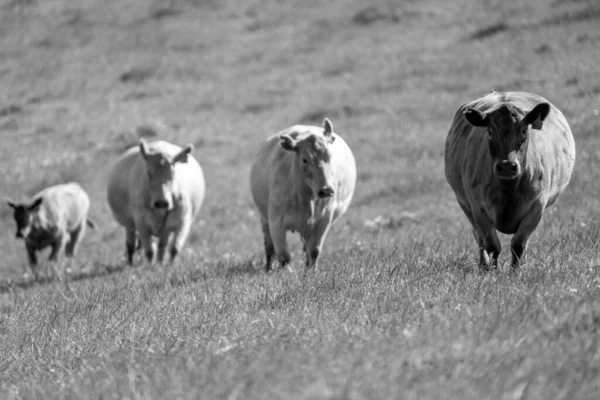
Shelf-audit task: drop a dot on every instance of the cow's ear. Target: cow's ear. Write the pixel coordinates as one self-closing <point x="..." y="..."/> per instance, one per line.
<point x="12" y="204"/>
<point x="36" y="204"/>
<point x="536" y="117"/>
<point x="182" y="156"/>
<point x="288" y="143"/>
<point x="143" y="148"/>
<point x="476" y="117"/>
<point x="328" y="130"/>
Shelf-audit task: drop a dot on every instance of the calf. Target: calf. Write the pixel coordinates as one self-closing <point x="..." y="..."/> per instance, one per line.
<point x="55" y="217"/>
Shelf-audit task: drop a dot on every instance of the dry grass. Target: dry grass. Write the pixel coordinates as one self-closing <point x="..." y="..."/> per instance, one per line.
<point x="399" y="311"/>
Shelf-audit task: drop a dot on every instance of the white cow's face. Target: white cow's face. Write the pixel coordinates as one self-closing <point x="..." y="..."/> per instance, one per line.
<point x="160" y="169"/>
<point x="313" y="160"/>
<point x="508" y="135"/>
<point x="24" y="215"/>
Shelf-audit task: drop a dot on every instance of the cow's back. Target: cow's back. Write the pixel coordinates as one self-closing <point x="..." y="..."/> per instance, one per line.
<point x="551" y="149"/>
<point x="64" y="206"/>
<point x="464" y="148"/>
<point x="271" y="167"/>
<point x="344" y="166"/>
<point x="192" y="183"/>
<point x="119" y="187"/>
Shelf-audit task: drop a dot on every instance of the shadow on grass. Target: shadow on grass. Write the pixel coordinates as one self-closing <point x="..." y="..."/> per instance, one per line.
<point x="221" y="269"/>
<point x="228" y="268"/>
<point x="98" y="271"/>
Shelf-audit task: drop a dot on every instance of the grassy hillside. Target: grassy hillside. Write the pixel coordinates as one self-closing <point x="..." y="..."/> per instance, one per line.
<point x="399" y="310"/>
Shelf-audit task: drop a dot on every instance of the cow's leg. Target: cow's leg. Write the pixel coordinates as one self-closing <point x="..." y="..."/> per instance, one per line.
<point x="58" y="247"/>
<point x="74" y="240"/>
<point x="31" y="255"/>
<point x="490" y="248"/>
<point x="518" y="244"/>
<point x="180" y="237"/>
<point x="484" y="259"/>
<point x="132" y="243"/>
<point x="307" y="258"/>
<point x="469" y="215"/>
<point x="163" y="241"/>
<point x="147" y="244"/>
<point x="32" y="258"/>
<point x="314" y="242"/>
<point x="268" y="242"/>
<point x="489" y="244"/>
<point x="278" y="232"/>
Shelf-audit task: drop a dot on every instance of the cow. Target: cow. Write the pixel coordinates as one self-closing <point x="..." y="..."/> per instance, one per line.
<point x="508" y="156"/>
<point x="57" y="217"/>
<point x="156" y="189"/>
<point x="302" y="179"/>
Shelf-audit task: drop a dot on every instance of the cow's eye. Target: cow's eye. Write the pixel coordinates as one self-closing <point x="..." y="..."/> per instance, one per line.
<point x="304" y="160"/>
<point x="489" y="133"/>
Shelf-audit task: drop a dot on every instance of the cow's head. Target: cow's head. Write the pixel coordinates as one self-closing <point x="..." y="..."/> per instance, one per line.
<point x="160" y="168"/>
<point x="508" y="133"/>
<point x="24" y="214"/>
<point x="312" y="158"/>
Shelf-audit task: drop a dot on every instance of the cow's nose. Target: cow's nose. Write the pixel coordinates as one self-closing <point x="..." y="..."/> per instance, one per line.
<point x="161" y="204"/>
<point x="507" y="168"/>
<point x="325" y="192"/>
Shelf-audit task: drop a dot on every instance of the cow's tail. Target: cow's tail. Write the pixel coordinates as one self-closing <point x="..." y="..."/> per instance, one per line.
<point x="91" y="223"/>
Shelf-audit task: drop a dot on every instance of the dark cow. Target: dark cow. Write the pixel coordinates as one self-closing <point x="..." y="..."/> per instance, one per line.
<point x="508" y="157"/>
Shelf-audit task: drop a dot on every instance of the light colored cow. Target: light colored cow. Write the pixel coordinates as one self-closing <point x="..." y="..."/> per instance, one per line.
<point x="302" y="179"/>
<point x="56" y="217"/>
<point x="156" y="190"/>
<point x="508" y="157"/>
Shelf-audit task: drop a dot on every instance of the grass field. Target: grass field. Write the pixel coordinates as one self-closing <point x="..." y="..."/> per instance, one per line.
<point x="399" y="309"/>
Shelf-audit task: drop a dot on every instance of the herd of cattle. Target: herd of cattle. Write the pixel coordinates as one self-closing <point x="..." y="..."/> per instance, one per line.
<point x="508" y="156"/>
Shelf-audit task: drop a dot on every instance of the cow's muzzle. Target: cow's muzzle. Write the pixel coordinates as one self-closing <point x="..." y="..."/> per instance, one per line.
<point x="507" y="169"/>
<point x="325" y="192"/>
<point x="161" y="204"/>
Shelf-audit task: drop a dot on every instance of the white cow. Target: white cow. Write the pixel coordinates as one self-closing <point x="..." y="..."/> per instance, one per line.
<point x="155" y="190"/>
<point x="302" y="180"/>
<point x="56" y="217"/>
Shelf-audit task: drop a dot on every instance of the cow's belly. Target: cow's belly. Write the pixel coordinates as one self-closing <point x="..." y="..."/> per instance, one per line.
<point x="305" y="224"/>
<point x="159" y="223"/>
<point x="41" y="242"/>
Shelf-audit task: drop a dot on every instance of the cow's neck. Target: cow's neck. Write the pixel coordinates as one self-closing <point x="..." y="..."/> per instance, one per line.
<point x="317" y="208"/>
<point x="304" y="194"/>
<point x="509" y="190"/>
<point x="39" y="225"/>
<point x="305" y="198"/>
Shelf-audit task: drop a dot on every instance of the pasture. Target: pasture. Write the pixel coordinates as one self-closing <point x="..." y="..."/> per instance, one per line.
<point x="398" y="308"/>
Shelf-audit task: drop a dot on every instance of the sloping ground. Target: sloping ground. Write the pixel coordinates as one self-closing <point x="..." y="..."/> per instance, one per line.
<point x="79" y="80"/>
<point x="403" y="313"/>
